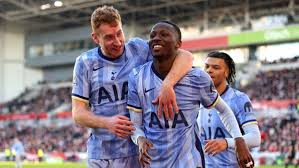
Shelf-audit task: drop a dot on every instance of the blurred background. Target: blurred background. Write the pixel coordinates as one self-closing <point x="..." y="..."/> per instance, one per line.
<point x="40" y="39"/>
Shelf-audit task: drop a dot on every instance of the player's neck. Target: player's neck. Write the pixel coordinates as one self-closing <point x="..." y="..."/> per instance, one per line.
<point x="163" y="66"/>
<point x="221" y="88"/>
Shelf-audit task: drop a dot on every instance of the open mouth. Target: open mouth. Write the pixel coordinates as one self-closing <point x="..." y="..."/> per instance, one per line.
<point x="117" y="49"/>
<point x="157" y="47"/>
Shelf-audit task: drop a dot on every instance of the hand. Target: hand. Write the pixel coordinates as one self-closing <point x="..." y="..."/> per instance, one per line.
<point x="119" y="125"/>
<point x="244" y="157"/>
<point x="167" y="102"/>
<point x="144" y="145"/>
<point x="215" y="146"/>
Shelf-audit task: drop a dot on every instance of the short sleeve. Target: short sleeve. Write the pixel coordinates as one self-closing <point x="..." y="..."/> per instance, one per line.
<point x="246" y="114"/>
<point x="81" y="86"/>
<point x="133" y="102"/>
<point x="208" y="93"/>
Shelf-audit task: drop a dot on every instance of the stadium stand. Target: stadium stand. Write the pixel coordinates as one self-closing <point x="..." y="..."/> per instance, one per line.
<point x="274" y="85"/>
<point x="280" y="136"/>
<point x="41" y="99"/>
<point x="282" y="60"/>
<point x="66" y="141"/>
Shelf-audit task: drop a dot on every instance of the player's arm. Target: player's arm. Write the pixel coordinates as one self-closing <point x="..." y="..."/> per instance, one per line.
<point x="230" y="122"/>
<point x="210" y="99"/>
<point x="118" y="125"/>
<point x="135" y="110"/>
<point x="246" y="116"/>
<point x="139" y="138"/>
<point x="166" y="98"/>
<point x="251" y="136"/>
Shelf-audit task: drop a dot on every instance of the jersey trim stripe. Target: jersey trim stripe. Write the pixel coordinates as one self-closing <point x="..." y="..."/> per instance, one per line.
<point x="214" y="103"/>
<point x="249" y="122"/>
<point x="134" y="108"/>
<point x="80" y="98"/>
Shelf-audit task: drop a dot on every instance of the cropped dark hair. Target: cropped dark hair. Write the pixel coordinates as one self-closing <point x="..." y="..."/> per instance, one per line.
<point x="176" y="28"/>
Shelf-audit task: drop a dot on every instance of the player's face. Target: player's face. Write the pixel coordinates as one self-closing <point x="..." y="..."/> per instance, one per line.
<point x="163" y="40"/>
<point x="111" y="39"/>
<point x="217" y="69"/>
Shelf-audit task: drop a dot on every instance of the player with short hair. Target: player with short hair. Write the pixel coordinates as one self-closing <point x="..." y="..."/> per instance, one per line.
<point x="101" y="81"/>
<point x="173" y="143"/>
<point x="217" y="142"/>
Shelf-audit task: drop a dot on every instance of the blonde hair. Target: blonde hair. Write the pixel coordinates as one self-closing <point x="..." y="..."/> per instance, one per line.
<point x="104" y="14"/>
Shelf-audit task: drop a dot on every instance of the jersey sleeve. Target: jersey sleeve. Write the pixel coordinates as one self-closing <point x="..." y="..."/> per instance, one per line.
<point x="208" y="93"/>
<point x="246" y="114"/>
<point x="81" y="86"/>
<point x="133" y="102"/>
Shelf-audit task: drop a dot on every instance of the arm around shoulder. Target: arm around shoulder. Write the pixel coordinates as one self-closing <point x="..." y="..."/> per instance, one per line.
<point x="181" y="66"/>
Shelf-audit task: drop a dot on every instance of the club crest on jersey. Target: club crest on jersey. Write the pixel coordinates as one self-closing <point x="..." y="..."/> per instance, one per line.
<point x="74" y="80"/>
<point x="113" y="73"/>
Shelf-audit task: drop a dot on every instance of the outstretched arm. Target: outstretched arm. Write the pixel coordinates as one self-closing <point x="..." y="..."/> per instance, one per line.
<point x="166" y="98"/>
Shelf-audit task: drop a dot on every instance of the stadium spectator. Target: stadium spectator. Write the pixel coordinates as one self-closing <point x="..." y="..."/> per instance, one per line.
<point x="40" y="154"/>
<point x="7" y="153"/>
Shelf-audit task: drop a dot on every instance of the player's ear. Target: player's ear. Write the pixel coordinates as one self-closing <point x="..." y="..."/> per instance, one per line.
<point x="95" y="37"/>
<point x="178" y="44"/>
<point x="226" y="74"/>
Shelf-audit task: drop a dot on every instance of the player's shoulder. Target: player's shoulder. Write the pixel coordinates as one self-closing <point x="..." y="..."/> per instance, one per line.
<point x="136" y="42"/>
<point x="197" y="72"/>
<point x="136" y="47"/>
<point x="238" y="93"/>
<point x="88" y="57"/>
<point x="239" y="96"/>
<point x="141" y="68"/>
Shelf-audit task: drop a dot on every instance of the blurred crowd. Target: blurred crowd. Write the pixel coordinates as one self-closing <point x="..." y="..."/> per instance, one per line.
<point x="45" y="100"/>
<point x="274" y="85"/>
<point x="281" y="135"/>
<point x="278" y="135"/>
<point x="50" y="139"/>
<point x="282" y="60"/>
